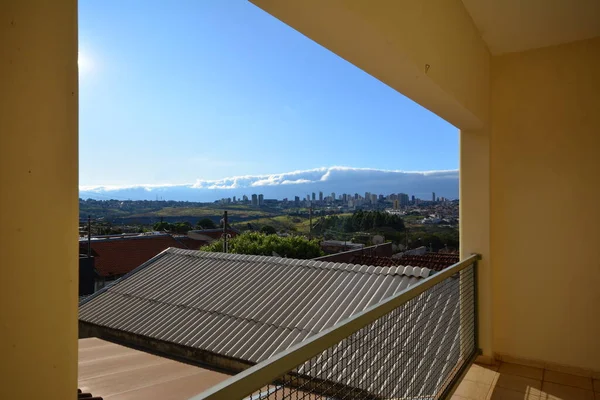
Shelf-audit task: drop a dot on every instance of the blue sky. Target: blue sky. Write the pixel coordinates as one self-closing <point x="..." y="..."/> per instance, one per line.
<point x="172" y="92"/>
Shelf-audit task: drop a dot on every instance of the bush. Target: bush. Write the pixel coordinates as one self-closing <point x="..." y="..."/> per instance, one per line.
<point x="260" y="244"/>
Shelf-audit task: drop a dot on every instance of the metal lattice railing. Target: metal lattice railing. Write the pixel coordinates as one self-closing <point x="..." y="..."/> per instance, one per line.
<point x="414" y="345"/>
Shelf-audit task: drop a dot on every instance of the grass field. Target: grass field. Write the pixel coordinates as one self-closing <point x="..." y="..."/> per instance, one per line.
<point x="279" y="222"/>
<point x="205" y="212"/>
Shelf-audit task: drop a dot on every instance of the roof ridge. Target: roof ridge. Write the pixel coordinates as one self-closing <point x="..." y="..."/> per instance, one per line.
<point x="421" y="272"/>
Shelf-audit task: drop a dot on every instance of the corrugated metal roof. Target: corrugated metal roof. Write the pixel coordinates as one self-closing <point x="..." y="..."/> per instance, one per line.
<point x="240" y="306"/>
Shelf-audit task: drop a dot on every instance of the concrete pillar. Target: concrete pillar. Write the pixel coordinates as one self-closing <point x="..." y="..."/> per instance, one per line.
<point x="38" y="199"/>
<point x="475" y="222"/>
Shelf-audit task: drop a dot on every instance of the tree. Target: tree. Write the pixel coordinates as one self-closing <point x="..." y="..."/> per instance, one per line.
<point x="268" y="230"/>
<point x="257" y="243"/>
<point x="182" y="227"/>
<point x="206" y="223"/>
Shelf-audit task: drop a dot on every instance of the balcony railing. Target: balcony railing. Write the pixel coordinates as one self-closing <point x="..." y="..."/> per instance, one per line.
<point x="414" y="345"/>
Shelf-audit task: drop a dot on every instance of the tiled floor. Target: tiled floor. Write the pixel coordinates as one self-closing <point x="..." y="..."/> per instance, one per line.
<point x="505" y="381"/>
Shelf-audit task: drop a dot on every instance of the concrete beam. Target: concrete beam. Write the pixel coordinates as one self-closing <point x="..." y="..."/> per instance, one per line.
<point x="430" y="51"/>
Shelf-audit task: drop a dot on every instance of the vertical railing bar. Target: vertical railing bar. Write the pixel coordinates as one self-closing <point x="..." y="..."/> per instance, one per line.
<point x="476" y="304"/>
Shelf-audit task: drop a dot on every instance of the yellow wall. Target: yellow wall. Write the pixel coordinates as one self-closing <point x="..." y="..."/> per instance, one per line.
<point x="38" y="199"/>
<point x="545" y="191"/>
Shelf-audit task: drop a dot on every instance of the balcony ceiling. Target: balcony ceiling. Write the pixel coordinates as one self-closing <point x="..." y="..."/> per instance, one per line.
<point x="516" y="25"/>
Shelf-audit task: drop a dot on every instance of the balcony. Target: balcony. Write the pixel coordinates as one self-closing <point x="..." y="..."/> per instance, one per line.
<point x="521" y="82"/>
<point x="416" y="344"/>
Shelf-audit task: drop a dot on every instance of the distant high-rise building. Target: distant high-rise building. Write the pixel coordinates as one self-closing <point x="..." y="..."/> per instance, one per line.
<point x="432" y="196"/>
<point x="320" y="196"/>
<point x="403" y="198"/>
<point x="413" y="199"/>
<point x="261" y="200"/>
<point x="368" y="196"/>
<point x="254" y="200"/>
<point x="332" y="196"/>
<point x="234" y="199"/>
<point x="381" y="197"/>
<point x="373" y="198"/>
<point x="356" y="196"/>
<point x="345" y="198"/>
<point x="297" y="201"/>
<point x="314" y="196"/>
<point x="396" y="204"/>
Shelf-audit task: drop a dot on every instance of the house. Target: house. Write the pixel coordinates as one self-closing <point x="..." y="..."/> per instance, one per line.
<point x="116" y="256"/>
<point x="338" y="246"/>
<point x="377" y="250"/>
<point x="210" y="235"/>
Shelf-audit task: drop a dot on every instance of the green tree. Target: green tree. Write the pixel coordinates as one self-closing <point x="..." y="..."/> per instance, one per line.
<point x="268" y="230"/>
<point x="206" y="223"/>
<point x="257" y="243"/>
<point x="182" y="227"/>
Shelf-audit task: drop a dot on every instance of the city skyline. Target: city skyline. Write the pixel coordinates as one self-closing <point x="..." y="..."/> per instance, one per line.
<point x="333" y="179"/>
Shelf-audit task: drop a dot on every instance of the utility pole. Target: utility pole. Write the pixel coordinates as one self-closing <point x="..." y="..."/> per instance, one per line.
<point x="224" y="231"/>
<point x="89" y="252"/>
<point x="310" y="222"/>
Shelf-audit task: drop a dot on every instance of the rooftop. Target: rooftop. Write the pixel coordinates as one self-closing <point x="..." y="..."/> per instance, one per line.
<point x="242" y="307"/>
<point x="118" y="256"/>
<point x="432" y="261"/>
<point x="116" y="372"/>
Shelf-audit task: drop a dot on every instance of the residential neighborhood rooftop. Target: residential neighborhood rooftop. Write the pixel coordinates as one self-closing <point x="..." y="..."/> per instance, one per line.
<point x="118" y="256"/>
<point x="231" y="311"/>
<point x="240" y="306"/>
<point x="432" y="261"/>
<point x="115" y="372"/>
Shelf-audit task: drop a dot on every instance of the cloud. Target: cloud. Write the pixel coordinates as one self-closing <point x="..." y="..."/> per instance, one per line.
<point x="337" y="179"/>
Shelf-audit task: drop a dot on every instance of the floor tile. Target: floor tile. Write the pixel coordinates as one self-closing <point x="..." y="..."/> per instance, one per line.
<point x="586" y="373"/>
<point x="494" y="366"/>
<point x="500" y="393"/>
<point x="521" y="370"/>
<point x="518" y="383"/>
<point x="482" y="374"/>
<point x="472" y="390"/>
<point x="555" y="391"/>
<point x="568" y="379"/>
